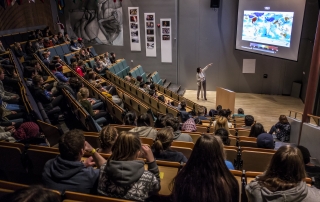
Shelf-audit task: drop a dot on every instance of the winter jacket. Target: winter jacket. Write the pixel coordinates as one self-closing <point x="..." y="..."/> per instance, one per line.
<point x="145" y="131"/>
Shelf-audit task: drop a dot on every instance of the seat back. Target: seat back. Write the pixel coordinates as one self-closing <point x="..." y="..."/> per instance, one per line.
<point x="231" y="155"/>
<point x="255" y="161"/>
<point x="244" y="133"/>
<point x="74" y="197"/>
<point x="244" y="143"/>
<point x="148" y="141"/>
<point x="184" y="150"/>
<point x="38" y="159"/>
<point x="183" y="144"/>
<point x="51" y="132"/>
<point x="168" y="171"/>
<point x="93" y="140"/>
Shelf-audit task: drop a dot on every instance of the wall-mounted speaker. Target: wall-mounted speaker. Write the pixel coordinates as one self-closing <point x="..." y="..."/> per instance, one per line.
<point x="215" y="4"/>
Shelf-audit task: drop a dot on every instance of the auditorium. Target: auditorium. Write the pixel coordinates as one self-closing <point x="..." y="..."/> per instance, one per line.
<point x="176" y="100"/>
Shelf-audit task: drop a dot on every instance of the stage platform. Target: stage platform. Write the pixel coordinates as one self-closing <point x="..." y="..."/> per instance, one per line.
<point x="264" y="108"/>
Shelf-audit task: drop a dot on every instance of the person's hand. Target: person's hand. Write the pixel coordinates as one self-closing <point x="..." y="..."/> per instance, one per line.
<point x="210" y="64"/>
<point x="87" y="147"/>
<point x="147" y="153"/>
<point x="89" y="162"/>
<point x="13" y="130"/>
<point x="96" y="111"/>
<point x="13" y="112"/>
<point x="8" y="128"/>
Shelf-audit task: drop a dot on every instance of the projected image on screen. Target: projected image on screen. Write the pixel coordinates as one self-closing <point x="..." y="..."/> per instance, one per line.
<point x="268" y="27"/>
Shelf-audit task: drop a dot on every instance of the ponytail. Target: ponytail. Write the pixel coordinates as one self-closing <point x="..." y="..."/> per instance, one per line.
<point x="158" y="146"/>
<point x="164" y="139"/>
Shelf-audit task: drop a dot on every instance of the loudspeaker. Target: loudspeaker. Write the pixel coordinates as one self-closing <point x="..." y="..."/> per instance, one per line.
<point x="215" y="4"/>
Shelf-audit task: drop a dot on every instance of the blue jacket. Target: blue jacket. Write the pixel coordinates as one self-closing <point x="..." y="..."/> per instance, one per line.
<point x="61" y="77"/>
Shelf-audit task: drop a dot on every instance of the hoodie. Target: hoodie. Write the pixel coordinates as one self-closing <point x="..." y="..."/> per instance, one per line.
<point x="301" y="193"/>
<point x="145" y="131"/>
<point x="178" y="136"/>
<point x="62" y="175"/>
<point x="129" y="180"/>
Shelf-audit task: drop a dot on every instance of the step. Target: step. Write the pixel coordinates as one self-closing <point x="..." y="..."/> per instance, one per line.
<point x="181" y="91"/>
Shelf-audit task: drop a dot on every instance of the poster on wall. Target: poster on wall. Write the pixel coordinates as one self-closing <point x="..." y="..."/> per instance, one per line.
<point x="151" y="48"/>
<point x="166" y="43"/>
<point x="99" y="22"/>
<point x="134" y="28"/>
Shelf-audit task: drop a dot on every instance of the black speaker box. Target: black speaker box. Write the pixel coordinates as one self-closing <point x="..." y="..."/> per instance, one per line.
<point x="215" y="4"/>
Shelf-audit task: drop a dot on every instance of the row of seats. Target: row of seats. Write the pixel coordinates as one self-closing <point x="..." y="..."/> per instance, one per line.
<point x="66" y="56"/>
<point x="120" y="68"/>
<point x="155" y="78"/>
<point x="138" y="71"/>
<point x="9" y="39"/>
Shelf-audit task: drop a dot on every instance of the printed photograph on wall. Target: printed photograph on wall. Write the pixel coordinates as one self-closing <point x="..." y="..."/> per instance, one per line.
<point x="150" y="38"/>
<point x="133" y="19"/>
<point x="135" y="39"/>
<point x="149" y="17"/>
<point x="134" y="25"/>
<point x="165" y="37"/>
<point x="150" y="31"/>
<point x="97" y="21"/>
<point x="165" y="30"/>
<point x="166" y="24"/>
<point x="133" y="11"/>
<point x="135" y="33"/>
<point x="150" y="45"/>
<point x="150" y="24"/>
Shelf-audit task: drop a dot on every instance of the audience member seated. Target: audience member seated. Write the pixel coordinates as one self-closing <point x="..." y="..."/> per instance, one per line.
<point x="66" y="37"/>
<point x="143" y="87"/>
<point x="47" y="32"/>
<point x="37" y="67"/>
<point x="164" y="100"/>
<point x="221" y="122"/>
<point x="138" y="81"/>
<point x="283" y="180"/>
<point x="80" y="43"/>
<point x="144" y="128"/>
<point x="73" y="46"/>
<point x="32" y="36"/>
<point x="161" y="147"/>
<point x="282" y="129"/>
<point x="84" y="55"/>
<point x="18" y="50"/>
<point x="265" y="141"/>
<point x="77" y="69"/>
<point x="61" y="38"/>
<point x="39" y="44"/>
<point x="224" y="135"/>
<point x="223" y="113"/>
<point x="110" y="92"/>
<point x="130" y="119"/>
<point x="57" y="69"/>
<point x="108" y="136"/>
<point x="46" y="59"/>
<point x="67" y="172"/>
<point x="189" y="125"/>
<point x="39" y="34"/>
<point x="98" y="115"/>
<point x="98" y="66"/>
<point x="47" y="43"/>
<point x="240" y="114"/>
<point x="213" y="112"/>
<point x="177" y="135"/>
<point x="10" y="116"/>
<point x="205" y="177"/>
<point x="112" y="57"/>
<point x="92" y="77"/>
<point x="311" y="169"/>
<point x="75" y="85"/>
<point x="201" y="113"/>
<point x="153" y="87"/>
<point x="152" y="94"/>
<point x="248" y="122"/>
<point x="6" y="96"/>
<point x="30" y="49"/>
<point x="6" y="133"/>
<point x="28" y="133"/>
<point x="31" y="194"/>
<point x="48" y="99"/>
<point x="124" y="171"/>
<point x="102" y="61"/>
<point x="55" y="40"/>
<point x="256" y="130"/>
<point x="107" y="59"/>
<point x="77" y="57"/>
<point x="2" y="49"/>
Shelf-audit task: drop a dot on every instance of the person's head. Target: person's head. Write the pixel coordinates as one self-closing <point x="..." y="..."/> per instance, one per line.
<point x="66" y="34"/>
<point x="127" y="78"/>
<point x="60" y="34"/>
<point x="283" y="119"/>
<point x="74" y="65"/>
<point x="305" y="154"/>
<point x="59" y="67"/>
<point x="37" y="80"/>
<point x="139" y="78"/>
<point x="113" y="54"/>
<point x="83" y="93"/>
<point x="265" y="141"/>
<point x="224" y="113"/>
<point x="108" y="136"/>
<point x="152" y="87"/>
<point x="285" y="171"/>
<point x="126" y="148"/>
<point x="219" y="107"/>
<point x="144" y="120"/>
<point x="71" y="145"/>
<point x="130" y="118"/>
<point x="248" y="120"/>
<point x="91" y="75"/>
<point x="33" y="194"/>
<point x="222" y="122"/>
<point x="210" y="175"/>
<point x="80" y="40"/>
<point x="56" y="57"/>
<point x="224" y="135"/>
<point x="183" y="104"/>
<point x="1" y="74"/>
<point x="199" y="70"/>
<point x="256" y="129"/>
<point x="172" y="122"/>
<point x="77" y="55"/>
<point x="240" y="111"/>
<point x="151" y="92"/>
<point x="55" y="37"/>
<point x="52" y="67"/>
<point x="163" y="140"/>
<point x="161" y="98"/>
<point x="45" y="54"/>
<point x="72" y="43"/>
<point x="142" y="85"/>
<point x="75" y="84"/>
<point x="101" y="57"/>
<point x="201" y="111"/>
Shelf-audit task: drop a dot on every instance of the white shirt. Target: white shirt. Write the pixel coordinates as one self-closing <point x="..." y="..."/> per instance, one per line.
<point x="201" y="76"/>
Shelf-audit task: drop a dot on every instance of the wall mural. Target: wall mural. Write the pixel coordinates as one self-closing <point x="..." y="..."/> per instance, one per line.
<point x="98" y="21"/>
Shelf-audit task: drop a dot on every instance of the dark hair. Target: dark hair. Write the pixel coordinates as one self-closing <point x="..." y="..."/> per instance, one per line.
<point x="183" y="104"/>
<point x="205" y="177"/>
<point x="143" y="120"/>
<point x="142" y="84"/>
<point x="151" y="92"/>
<point x="256" y="129"/>
<point x="283" y="119"/>
<point x="159" y="123"/>
<point x="139" y="78"/>
<point x="305" y="154"/>
<point x="130" y="118"/>
<point x="52" y="66"/>
<point x="108" y="136"/>
<point x="248" y="120"/>
<point x="219" y="107"/>
<point x="36" y="79"/>
<point x="224" y="135"/>
<point x="75" y="84"/>
<point x="163" y="140"/>
<point x="161" y="98"/>
<point x="240" y="111"/>
<point x="33" y="194"/>
<point x="172" y="122"/>
<point x="71" y="144"/>
<point x="198" y="69"/>
<point x="223" y="112"/>
<point x="285" y="171"/>
<point x="152" y="87"/>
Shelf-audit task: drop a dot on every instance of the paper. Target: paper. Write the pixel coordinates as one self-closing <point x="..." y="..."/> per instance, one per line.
<point x="249" y="66"/>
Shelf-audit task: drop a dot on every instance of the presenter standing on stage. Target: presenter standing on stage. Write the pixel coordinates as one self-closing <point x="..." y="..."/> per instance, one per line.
<point x="201" y="80"/>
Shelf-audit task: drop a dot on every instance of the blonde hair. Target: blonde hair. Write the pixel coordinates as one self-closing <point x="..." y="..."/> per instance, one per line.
<point x="164" y="139"/>
<point x="222" y="122"/>
<point x="108" y="136"/>
<point x="125" y="147"/>
<point x="83" y="93"/>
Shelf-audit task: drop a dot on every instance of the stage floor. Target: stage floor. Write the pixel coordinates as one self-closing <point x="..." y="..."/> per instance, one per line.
<point x="265" y="109"/>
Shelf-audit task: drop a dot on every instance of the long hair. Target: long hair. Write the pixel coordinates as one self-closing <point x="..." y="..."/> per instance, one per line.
<point x="256" y="129"/>
<point x="205" y="177"/>
<point x="285" y="170"/>
<point x="163" y="140"/>
<point x="222" y="122"/>
<point x="108" y="136"/>
<point x="144" y="120"/>
<point x="130" y="118"/>
<point x="283" y="119"/>
<point x="125" y="147"/>
<point x="83" y="93"/>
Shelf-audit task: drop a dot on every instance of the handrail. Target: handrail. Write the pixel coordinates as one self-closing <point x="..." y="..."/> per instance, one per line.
<point x="315" y="117"/>
<point x="295" y="113"/>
